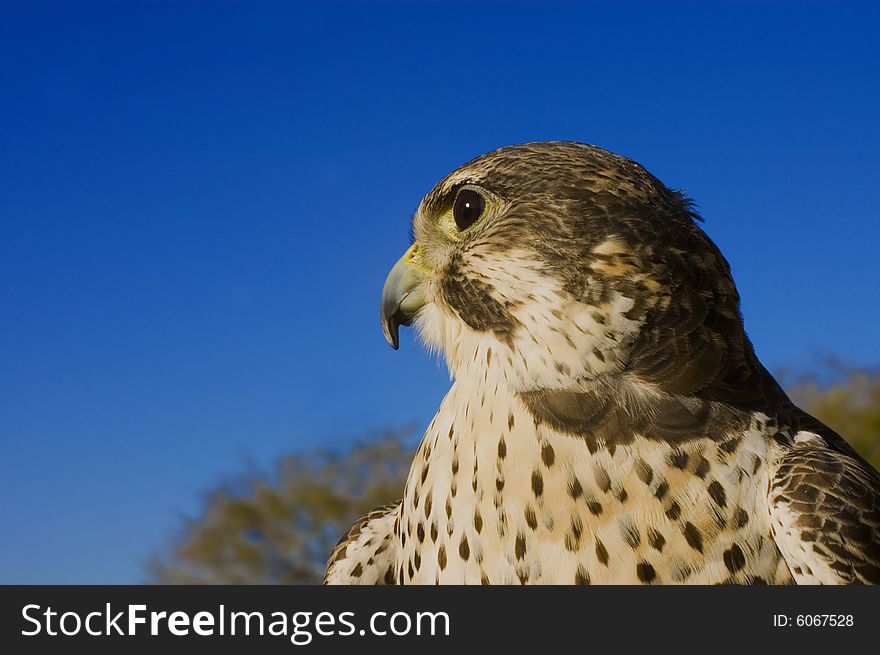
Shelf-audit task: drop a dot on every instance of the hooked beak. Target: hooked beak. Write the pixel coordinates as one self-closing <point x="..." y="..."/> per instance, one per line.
<point x="402" y="296"/>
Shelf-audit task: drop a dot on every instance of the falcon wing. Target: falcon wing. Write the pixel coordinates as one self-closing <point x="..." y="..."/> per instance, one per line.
<point x="825" y="514"/>
<point x="366" y="553"/>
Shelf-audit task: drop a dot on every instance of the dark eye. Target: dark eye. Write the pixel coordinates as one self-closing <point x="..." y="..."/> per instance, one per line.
<point x="469" y="206"/>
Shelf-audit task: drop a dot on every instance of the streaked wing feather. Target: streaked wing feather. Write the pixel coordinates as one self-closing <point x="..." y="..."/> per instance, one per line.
<point x="366" y="553"/>
<point x="825" y="513"/>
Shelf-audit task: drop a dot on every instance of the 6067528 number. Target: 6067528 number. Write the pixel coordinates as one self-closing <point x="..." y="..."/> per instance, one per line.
<point x="813" y="620"/>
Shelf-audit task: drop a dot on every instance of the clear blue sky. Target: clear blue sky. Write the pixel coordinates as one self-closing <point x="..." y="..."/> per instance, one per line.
<point x="199" y="204"/>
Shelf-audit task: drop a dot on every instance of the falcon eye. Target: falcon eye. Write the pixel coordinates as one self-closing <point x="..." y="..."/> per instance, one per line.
<point x="469" y="206"/>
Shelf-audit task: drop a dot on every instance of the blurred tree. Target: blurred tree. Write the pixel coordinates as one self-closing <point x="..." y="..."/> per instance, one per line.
<point x="849" y="404"/>
<point x="281" y="529"/>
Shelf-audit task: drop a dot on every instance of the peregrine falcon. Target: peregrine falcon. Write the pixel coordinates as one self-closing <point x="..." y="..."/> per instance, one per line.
<point x="608" y="420"/>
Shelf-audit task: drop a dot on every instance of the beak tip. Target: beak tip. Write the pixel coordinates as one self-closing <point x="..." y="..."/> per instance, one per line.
<point x="390" y="330"/>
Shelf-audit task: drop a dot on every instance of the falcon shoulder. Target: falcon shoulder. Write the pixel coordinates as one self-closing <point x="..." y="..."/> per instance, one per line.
<point x="366" y="553"/>
<point x="825" y="513"/>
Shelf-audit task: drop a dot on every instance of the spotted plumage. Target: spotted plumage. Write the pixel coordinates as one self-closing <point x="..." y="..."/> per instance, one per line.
<point x="608" y="421"/>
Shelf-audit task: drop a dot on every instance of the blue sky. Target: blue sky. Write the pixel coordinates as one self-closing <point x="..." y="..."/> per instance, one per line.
<point x="199" y="205"/>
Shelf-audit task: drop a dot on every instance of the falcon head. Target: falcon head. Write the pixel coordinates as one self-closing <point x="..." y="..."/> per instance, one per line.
<point x="565" y="264"/>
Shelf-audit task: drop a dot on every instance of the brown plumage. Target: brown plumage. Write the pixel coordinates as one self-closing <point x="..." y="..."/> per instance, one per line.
<point x="609" y="420"/>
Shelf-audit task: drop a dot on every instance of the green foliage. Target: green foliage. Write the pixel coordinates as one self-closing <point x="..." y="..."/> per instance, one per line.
<point x="281" y="528"/>
<point x="850" y="405"/>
